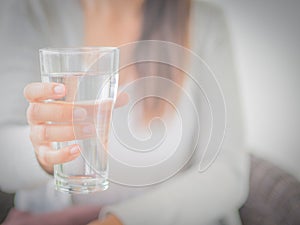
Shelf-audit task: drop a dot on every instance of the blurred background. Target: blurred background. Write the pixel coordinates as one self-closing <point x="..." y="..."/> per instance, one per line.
<point x="266" y="36"/>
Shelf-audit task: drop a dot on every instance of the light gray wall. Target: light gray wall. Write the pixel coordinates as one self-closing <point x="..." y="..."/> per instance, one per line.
<point x="266" y="38"/>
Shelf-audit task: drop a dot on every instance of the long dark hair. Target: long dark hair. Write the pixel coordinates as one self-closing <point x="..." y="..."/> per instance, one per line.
<point x="164" y="20"/>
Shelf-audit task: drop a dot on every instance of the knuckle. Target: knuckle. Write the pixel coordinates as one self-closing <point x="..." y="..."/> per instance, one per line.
<point x="38" y="134"/>
<point x="25" y="92"/>
<point x="33" y="110"/>
<point x="28" y="113"/>
<point x="36" y="109"/>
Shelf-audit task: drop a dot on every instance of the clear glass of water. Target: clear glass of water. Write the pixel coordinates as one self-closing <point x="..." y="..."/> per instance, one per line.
<point x="90" y="76"/>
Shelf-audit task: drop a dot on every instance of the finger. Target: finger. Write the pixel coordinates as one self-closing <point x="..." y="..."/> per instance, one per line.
<point x="54" y="112"/>
<point x="42" y="91"/>
<point x="47" y="156"/>
<point x="42" y="134"/>
<point x="122" y="99"/>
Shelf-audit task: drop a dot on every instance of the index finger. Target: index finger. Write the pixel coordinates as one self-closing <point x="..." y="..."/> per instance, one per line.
<point x="42" y="91"/>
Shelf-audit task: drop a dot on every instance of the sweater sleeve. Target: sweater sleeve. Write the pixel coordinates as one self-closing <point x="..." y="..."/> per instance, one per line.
<point x="19" y="168"/>
<point x="193" y="197"/>
<point x="25" y="27"/>
<point x="21" y="37"/>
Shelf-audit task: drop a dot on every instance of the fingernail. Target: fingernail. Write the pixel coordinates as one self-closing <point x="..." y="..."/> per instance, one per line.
<point x="79" y="113"/>
<point x="89" y="129"/>
<point x="74" y="150"/>
<point x="59" y="89"/>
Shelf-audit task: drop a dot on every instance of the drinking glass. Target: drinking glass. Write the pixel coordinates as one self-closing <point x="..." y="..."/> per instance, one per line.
<point x="90" y="76"/>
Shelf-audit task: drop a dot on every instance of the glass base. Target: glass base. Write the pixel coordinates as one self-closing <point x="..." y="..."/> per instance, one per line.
<point x="81" y="184"/>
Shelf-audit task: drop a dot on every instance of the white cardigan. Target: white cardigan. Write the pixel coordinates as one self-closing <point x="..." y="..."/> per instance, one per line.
<point x="188" y="198"/>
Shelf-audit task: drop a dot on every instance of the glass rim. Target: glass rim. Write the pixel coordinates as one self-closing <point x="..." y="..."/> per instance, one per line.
<point x="84" y="49"/>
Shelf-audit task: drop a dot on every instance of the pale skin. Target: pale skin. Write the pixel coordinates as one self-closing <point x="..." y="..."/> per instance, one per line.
<point x="119" y="22"/>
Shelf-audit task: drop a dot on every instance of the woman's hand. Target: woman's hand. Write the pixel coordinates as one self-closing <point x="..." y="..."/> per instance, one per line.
<point x="40" y="113"/>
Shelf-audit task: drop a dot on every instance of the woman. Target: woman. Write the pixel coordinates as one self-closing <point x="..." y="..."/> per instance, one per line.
<point x="190" y="197"/>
